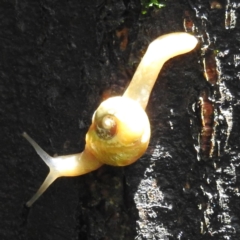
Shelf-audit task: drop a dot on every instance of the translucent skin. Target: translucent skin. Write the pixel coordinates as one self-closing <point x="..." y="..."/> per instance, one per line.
<point x="132" y="133"/>
<point x="159" y="51"/>
<point x="120" y="129"/>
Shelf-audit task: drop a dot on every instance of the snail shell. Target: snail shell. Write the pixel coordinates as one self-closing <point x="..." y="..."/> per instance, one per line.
<point x="119" y="133"/>
<point x="120" y="129"/>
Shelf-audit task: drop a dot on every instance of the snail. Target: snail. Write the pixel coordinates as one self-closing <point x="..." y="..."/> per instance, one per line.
<point x="120" y="129"/>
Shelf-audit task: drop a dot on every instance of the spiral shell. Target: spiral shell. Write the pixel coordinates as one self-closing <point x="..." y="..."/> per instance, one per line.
<point x="119" y="133"/>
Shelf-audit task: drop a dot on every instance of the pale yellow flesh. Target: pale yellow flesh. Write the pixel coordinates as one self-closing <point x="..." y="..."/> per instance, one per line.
<point x="159" y="51"/>
<point x="139" y="90"/>
<point x="68" y="165"/>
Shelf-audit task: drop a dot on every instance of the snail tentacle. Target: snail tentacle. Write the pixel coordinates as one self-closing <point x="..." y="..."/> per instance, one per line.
<point x="51" y="177"/>
<point x="45" y="157"/>
<point x="67" y="165"/>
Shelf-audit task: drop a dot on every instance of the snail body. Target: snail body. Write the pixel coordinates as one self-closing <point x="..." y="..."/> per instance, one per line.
<point x="120" y="129"/>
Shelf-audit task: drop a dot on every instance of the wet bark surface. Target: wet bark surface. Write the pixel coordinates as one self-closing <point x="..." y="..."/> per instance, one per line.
<point x="59" y="60"/>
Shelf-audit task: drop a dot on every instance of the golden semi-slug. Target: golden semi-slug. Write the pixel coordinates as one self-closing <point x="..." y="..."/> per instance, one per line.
<point x="120" y="129"/>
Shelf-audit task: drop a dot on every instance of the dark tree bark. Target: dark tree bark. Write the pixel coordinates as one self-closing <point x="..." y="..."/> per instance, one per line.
<point x="59" y="60"/>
